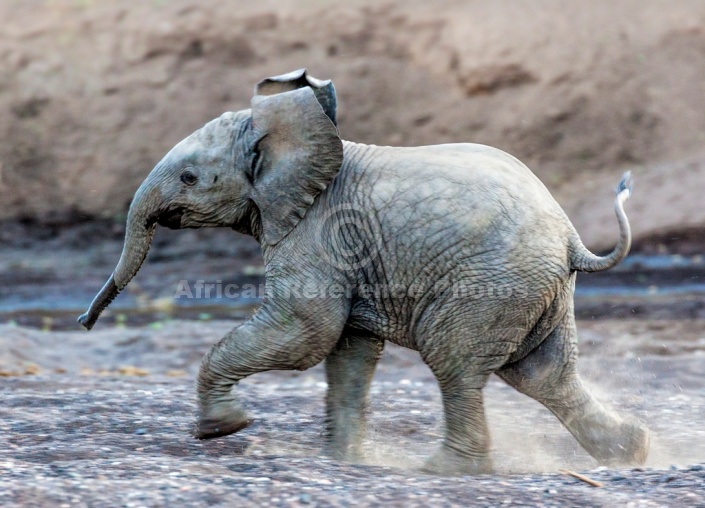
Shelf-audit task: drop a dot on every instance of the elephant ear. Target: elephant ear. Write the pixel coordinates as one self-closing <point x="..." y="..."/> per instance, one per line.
<point x="300" y="154"/>
<point x="323" y="89"/>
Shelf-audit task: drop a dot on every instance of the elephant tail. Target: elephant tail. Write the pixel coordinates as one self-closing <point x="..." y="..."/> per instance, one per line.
<point x="585" y="261"/>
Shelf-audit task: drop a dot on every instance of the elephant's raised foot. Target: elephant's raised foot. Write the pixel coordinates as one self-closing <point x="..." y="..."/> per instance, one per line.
<point x="448" y="462"/>
<point x="208" y="427"/>
<point x="628" y="447"/>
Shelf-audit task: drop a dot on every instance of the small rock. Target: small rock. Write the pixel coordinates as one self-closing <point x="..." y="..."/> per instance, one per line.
<point x="696" y="467"/>
<point x="131" y="370"/>
<point x="305" y="498"/>
<point x="141" y="432"/>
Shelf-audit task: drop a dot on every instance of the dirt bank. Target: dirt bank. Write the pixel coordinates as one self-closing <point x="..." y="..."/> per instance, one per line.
<point x="92" y="94"/>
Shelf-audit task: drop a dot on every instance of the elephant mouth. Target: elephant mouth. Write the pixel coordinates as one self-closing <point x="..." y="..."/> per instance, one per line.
<point x="171" y="219"/>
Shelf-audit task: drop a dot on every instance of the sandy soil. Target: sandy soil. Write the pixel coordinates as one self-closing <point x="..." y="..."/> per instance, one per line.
<point x="105" y="417"/>
<point x="92" y="94"/>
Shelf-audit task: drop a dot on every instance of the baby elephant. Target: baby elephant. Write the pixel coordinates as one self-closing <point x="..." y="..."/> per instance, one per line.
<point x="457" y="251"/>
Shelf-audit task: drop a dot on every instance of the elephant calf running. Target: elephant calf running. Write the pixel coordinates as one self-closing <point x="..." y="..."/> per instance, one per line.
<point x="457" y="251"/>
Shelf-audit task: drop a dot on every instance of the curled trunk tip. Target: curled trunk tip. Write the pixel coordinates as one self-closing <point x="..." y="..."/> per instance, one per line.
<point x="100" y="302"/>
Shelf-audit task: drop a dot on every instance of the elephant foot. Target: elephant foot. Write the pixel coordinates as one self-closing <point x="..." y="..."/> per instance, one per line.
<point x="628" y="447"/>
<point x="344" y="453"/>
<point x="448" y="462"/>
<point x="221" y="424"/>
<point x="611" y="440"/>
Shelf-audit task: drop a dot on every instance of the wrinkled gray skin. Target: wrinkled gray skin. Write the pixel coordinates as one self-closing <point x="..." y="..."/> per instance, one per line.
<point x="482" y="258"/>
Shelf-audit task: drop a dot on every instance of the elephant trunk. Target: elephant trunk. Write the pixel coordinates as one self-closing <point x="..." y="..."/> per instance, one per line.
<point x="141" y="222"/>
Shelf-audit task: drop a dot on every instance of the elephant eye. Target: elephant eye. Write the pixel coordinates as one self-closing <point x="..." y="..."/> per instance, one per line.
<point x="188" y="178"/>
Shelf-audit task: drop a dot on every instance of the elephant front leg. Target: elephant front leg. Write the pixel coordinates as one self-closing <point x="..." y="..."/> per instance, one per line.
<point x="220" y="413"/>
<point x="349" y="371"/>
<point x="263" y="343"/>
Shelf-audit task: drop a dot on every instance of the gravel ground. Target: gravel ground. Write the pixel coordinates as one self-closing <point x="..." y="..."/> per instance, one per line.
<point x="103" y="419"/>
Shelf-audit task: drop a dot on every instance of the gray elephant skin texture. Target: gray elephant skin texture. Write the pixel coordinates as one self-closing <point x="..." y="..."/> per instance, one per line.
<point x="457" y="251"/>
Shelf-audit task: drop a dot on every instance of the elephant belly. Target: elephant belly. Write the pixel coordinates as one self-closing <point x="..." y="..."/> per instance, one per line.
<point x="477" y="311"/>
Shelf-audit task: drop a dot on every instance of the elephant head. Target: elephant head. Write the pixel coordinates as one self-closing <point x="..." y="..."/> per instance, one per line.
<point x="257" y="171"/>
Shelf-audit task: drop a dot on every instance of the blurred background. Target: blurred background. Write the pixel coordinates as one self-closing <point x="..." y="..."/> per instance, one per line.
<point x="93" y="94"/>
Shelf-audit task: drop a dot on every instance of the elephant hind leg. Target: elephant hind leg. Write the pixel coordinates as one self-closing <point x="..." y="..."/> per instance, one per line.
<point x="549" y="375"/>
<point x="466" y="447"/>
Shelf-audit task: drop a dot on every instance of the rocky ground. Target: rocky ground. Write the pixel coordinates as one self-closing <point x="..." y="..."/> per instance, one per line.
<point x="105" y="419"/>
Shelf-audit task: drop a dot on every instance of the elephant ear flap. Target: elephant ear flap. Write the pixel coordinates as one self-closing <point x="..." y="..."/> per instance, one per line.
<point x="300" y="154"/>
<point x="323" y="89"/>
